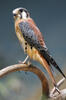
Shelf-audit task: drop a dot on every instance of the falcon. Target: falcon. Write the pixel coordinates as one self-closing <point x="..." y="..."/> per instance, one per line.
<point x="32" y="41"/>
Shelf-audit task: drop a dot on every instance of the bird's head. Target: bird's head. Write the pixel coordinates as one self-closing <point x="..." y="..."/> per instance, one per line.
<point x="20" y="13"/>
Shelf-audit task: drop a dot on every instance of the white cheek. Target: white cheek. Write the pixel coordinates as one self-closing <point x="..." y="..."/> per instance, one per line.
<point x="23" y="15"/>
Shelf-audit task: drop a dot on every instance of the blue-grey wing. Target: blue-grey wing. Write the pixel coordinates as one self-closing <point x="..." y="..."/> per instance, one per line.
<point x="29" y="35"/>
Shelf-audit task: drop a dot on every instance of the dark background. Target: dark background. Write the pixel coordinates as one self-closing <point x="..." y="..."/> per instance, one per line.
<point x="50" y="17"/>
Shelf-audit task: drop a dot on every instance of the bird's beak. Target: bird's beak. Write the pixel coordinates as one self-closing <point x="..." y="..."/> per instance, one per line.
<point x="14" y="14"/>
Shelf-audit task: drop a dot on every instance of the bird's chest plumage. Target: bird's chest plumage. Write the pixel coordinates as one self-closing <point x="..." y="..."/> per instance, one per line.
<point x="22" y="41"/>
<point x="31" y="51"/>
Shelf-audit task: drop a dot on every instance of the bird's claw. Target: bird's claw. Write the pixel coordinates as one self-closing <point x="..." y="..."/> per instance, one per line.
<point x="21" y="62"/>
<point x="57" y="89"/>
<point x="25" y="61"/>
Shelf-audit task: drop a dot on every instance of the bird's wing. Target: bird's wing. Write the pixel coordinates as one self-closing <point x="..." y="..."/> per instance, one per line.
<point x="37" y="32"/>
<point x="33" y="40"/>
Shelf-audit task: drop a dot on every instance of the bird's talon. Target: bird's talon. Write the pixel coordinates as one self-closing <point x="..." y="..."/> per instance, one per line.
<point x="57" y="90"/>
<point x="21" y="62"/>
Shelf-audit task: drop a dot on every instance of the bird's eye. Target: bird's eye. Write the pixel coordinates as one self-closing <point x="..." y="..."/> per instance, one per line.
<point x="14" y="14"/>
<point x="21" y="10"/>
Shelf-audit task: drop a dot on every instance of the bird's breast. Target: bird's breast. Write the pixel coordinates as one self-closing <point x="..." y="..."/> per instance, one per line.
<point x="22" y="41"/>
<point x="31" y="51"/>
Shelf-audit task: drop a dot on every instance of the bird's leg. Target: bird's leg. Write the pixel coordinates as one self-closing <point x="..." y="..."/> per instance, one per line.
<point x="56" y="89"/>
<point x="23" y="62"/>
<point x="29" y="62"/>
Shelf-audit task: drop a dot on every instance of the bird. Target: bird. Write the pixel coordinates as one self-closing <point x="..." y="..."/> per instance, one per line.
<point x="32" y="41"/>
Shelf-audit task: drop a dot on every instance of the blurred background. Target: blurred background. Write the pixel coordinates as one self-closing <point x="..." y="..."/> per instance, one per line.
<point x="50" y="17"/>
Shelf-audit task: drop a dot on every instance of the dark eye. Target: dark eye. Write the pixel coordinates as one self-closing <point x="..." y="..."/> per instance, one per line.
<point x="21" y="10"/>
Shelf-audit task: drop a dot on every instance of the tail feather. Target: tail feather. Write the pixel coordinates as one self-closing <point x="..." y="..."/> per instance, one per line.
<point x="53" y="62"/>
<point x="47" y="67"/>
<point x="45" y="53"/>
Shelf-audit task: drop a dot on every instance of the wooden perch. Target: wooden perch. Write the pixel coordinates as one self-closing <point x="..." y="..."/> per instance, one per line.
<point x="30" y="68"/>
<point x="45" y="87"/>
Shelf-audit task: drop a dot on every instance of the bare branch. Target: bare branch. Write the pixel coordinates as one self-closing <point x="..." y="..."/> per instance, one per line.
<point x="31" y="68"/>
<point x="45" y="87"/>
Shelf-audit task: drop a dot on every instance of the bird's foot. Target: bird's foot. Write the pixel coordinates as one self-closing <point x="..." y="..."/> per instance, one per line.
<point x="24" y="62"/>
<point x="57" y="89"/>
<point x="21" y="62"/>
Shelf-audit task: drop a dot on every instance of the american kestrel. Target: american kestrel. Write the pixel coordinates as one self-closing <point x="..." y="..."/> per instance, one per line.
<point x="32" y="41"/>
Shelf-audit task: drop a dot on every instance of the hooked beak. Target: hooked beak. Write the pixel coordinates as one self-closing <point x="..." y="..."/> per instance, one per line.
<point x="14" y="14"/>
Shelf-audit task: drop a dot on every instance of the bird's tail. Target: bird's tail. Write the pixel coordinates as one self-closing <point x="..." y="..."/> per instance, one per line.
<point x="45" y="53"/>
<point x="53" y="62"/>
<point x="48" y="69"/>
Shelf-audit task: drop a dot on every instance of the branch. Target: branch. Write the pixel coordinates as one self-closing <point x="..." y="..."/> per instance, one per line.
<point x="45" y="87"/>
<point x="30" y="68"/>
